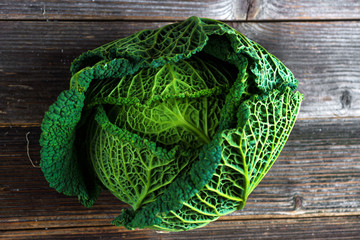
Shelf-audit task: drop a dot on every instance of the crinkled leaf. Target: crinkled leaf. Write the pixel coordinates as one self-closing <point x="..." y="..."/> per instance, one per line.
<point x="133" y="169"/>
<point x="59" y="160"/>
<point x="169" y="43"/>
<point x="248" y="152"/>
<point x="191" y="78"/>
<point x="175" y="103"/>
<point x="189" y="122"/>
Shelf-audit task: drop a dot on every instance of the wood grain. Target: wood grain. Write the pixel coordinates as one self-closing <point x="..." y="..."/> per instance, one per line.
<point x="305" y="228"/>
<point x="123" y="9"/>
<point x="36" y="56"/>
<point x="177" y="10"/>
<point x="316" y="175"/>
<point x="303" y="10"/>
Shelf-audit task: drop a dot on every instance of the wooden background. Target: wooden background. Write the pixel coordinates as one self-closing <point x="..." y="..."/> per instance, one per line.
<point x="312" y="191"/>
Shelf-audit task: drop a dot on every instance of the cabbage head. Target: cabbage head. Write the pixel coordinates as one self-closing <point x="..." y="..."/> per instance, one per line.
<point x="181" y="123"/>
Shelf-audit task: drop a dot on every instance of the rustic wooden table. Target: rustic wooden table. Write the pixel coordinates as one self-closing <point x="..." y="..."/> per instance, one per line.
<point x="312" y="191"/>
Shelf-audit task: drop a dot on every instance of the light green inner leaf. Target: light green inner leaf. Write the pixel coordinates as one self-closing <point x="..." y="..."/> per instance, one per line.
<point x="177" y="108"/>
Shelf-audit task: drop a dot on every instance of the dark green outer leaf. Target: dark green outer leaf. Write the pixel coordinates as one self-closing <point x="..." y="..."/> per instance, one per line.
<point x="59" y="160"/>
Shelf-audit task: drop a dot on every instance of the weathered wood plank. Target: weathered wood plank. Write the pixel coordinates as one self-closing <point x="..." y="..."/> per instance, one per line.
<point x="303" y="10"/>
<point x="36" y="56"/>
<point x="317" y="174"/>
<point x="306" y="228"/>
<point x="177" y="10"/>
<point x="123" y="9"/>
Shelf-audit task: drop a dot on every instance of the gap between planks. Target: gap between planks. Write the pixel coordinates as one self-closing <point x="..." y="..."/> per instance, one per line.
<point x="174" y="20"/>
<point x="29" y="125"/>
<point x="104" y="222"/>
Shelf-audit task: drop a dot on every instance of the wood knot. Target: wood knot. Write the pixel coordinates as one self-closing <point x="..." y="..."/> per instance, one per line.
<point x="297" y="202"/>
<point x="345" y="99"/>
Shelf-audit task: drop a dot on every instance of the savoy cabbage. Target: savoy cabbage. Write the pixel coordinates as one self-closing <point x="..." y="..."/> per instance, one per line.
<point x="181" y="123"/>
